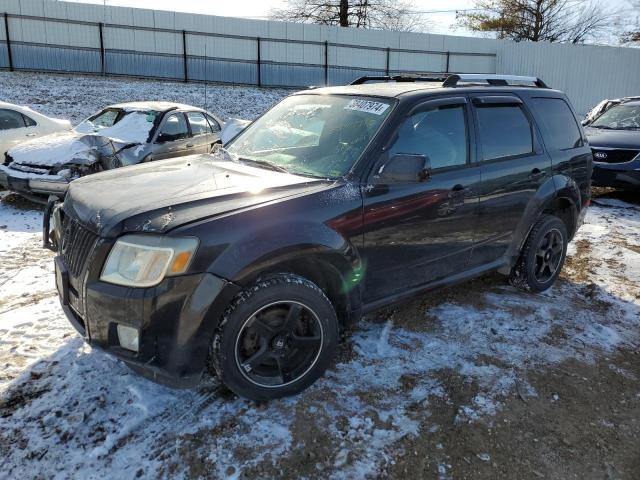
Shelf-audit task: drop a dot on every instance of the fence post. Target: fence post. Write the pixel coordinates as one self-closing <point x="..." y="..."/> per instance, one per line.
<point x="259" y="65"/>
<point x="326" y="63"/>
<point x="185" y="64"/>
<point x="103" y="69"/>
<point x="387" y="68"/>
<point x="448" y="59"/>
<point x="6" y="33"/>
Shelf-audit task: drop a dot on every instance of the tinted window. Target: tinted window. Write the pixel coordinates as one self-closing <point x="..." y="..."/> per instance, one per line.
<point x="439" y="133"/>
<point x="10" y="120"/>
<point x="199" y="124"/>
<point x="29" y="122"/>
<point x="558" y="124"/>
<point x="215" y="126"/>
<point x="175" y="128"/>
<point x="504" y="131"/>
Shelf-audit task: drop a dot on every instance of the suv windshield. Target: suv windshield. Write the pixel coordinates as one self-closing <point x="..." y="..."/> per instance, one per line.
<point x="315" y="135"/>
<point x="620" y="117"/>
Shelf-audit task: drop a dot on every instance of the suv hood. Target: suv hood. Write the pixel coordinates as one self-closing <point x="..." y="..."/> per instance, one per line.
<point x="599" y="137"/>
<point x="162" y="195"/>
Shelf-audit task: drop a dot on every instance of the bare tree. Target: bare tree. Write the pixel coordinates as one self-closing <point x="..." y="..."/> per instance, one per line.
<point x="572" y="21"/>
<point x="397" y="15"/>
<point x="631" y="34"/>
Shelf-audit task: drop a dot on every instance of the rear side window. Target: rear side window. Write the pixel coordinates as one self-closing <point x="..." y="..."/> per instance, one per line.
<point x="505" y="131"/>
<point x="559" y="127"/>
<point x="215" y="126"/>
<point x="10" y="119"/>
<point x="199" y="124"/>
<point x="29" y="122"/>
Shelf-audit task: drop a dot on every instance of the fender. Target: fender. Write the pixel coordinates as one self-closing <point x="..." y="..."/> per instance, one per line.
<point x="556" y="187"/>
<point x="309" y="249"/>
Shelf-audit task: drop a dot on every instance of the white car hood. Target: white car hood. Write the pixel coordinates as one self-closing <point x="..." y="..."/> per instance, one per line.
<point x="55" y="149"/>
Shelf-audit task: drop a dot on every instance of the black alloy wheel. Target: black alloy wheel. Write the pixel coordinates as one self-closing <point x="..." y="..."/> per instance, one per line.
<point x="548" y="255"/>
<point x="277" y="338"/>
<point x="279" y="343"/>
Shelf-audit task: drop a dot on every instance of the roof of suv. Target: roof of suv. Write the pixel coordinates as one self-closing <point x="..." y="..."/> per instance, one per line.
<point x="397" y="86"/>
<point x="390" y="89"/>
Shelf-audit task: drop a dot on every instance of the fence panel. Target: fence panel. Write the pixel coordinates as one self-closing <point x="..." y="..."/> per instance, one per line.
<point x="49" y="35"/>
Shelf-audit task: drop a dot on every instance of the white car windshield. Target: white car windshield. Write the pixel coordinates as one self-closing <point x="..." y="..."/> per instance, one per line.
<point x="315" y="135"/>
<point x="125" y="126"/>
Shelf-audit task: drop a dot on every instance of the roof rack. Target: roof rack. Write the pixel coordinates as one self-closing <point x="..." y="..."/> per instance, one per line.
<point x="400" y="78"/>
<point x="493" y="80"/>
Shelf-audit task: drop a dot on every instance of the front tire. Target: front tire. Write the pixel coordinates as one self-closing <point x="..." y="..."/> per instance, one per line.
<point x="277" y="338"/>
<point x="543" y="255"/>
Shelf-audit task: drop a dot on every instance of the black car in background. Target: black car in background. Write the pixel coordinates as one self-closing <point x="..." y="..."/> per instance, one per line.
<point x="249" y="262"/>
<point x="614" y="137"/>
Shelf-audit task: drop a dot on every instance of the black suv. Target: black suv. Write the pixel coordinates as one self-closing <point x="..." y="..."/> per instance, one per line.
<point x="248" y="262"/>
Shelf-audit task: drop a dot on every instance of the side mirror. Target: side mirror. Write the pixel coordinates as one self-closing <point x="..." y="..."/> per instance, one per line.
<point x="405" y="168"/>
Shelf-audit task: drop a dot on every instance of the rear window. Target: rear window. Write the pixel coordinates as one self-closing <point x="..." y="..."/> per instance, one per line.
<point x="505" y="131"/>
<point x="558" y="125"/>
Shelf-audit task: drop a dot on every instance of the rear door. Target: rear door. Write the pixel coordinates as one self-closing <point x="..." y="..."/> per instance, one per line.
<point x="13" y="130"/>
<point x="172" y="138"/>
<point x="564" y="140"/>
<point x="422" y="231"/>
<point x="513" y="166"/>
<point x="201" y="136"/>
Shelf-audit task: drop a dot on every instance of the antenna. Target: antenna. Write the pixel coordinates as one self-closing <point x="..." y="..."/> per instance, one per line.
<point x="206" y="103"/>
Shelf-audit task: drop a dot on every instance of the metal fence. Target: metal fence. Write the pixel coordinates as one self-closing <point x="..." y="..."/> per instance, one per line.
<point x="59" y="36"/>
<point x="97" y="47"/>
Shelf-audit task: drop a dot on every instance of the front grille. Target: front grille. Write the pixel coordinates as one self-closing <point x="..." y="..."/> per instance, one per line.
<point x="76" y="245"/>
<point x="614" y="156"/>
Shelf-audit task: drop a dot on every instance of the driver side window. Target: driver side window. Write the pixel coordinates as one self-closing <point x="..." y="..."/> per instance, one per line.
<point x="439" y="133"/>
<point x="174" y="128"/>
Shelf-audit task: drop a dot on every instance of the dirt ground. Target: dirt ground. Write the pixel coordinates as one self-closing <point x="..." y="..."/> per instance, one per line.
<point x="475" y="381"/>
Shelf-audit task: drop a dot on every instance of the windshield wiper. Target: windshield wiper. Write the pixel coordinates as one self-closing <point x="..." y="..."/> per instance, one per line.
<point x="265" y="163"/>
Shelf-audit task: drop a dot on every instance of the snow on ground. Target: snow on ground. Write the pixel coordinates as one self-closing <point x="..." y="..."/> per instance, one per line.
<point x="75" y="97"/>
<point x="68" y="411"/>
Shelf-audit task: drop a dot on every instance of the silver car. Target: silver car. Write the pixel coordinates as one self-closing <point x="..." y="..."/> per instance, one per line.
<point x="118" y="136"/>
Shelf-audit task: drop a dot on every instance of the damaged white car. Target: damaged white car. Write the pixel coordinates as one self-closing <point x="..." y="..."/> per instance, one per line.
<point x="118" y="136"/>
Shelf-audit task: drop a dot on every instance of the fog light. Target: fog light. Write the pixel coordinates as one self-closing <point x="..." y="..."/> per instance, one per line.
<point x="128" y="337"/>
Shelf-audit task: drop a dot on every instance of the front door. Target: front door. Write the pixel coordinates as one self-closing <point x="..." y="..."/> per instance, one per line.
<point x="202" y="137"/>
<point x="417" y="232"/>
<point x="172" y="139"/>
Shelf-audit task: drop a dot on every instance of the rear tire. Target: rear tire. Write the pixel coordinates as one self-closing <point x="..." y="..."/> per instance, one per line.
<point x="542" y="256"/>
<point x="276" y="339"/>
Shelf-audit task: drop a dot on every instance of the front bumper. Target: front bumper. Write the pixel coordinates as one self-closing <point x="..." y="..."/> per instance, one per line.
<point x="32" y="184"/>
<point x="175" y="320"/>
<point x="617" y="175"/>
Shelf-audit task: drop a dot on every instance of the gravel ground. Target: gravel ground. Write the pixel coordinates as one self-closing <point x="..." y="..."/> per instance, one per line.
<point x="476" y="381"/>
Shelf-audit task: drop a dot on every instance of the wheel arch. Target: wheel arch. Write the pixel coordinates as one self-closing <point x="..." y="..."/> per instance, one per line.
<point x="337" y="274"/>
<point x="559" y="196"/>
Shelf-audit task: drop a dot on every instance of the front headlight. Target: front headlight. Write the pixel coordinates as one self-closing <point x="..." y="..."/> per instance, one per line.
<point x="145" y="260"/>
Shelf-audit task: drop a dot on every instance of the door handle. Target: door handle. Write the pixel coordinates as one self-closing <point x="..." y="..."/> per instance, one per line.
<point x="31" y="134"/>
<point x="189" y="145"/>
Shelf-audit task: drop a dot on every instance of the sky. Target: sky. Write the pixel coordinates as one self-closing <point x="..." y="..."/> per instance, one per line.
<point x="441" y="13"/>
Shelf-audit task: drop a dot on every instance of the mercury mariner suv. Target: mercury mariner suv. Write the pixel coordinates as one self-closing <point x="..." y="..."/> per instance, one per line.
<point x="247" y="263"/>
